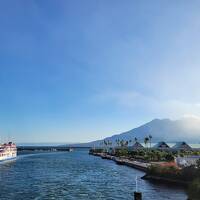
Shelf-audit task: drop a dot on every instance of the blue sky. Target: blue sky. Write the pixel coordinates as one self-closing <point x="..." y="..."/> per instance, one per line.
<point x="75" y="71"/>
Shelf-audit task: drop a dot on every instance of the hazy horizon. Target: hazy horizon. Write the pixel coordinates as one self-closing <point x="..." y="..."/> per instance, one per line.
<point x="77" y="71"/>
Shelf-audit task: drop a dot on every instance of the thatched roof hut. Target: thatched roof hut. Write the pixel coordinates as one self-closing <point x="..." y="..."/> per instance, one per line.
<point x="181" y="146"/>
<point x="161" y="145"/>
<point x="137" y="146"/>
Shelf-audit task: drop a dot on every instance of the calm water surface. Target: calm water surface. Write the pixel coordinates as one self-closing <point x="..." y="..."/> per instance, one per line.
<point x="76" y="176"/>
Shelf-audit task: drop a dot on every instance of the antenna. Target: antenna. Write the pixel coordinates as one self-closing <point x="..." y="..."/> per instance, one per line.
<point x="136" y="184"/>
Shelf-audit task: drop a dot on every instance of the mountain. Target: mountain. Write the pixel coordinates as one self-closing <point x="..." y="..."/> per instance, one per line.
<point x="185" y="129"/>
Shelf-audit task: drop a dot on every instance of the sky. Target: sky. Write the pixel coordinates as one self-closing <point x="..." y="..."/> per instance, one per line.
<point x="77" y="71"/>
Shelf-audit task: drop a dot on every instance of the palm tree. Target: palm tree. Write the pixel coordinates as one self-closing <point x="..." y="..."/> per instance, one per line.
<point x="121" y="143"/>
<point x="101" y="144"/>
<point x="105" y="144"/>
<point x="146" y="140"/>
<point x="116" y="141"/>
<point x="150" y="137"/>
<point x="135" y="139"/>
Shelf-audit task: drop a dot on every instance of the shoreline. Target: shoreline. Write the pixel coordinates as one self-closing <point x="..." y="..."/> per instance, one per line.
<point x="142" y="166"/>
<point x="124" y="161"/>
<point x="164" y="180"/>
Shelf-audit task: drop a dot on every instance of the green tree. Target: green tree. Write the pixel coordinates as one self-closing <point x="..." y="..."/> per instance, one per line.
<point x="117" y="142"/>
<point x="150" y="138"/>
<point x="122" y="143"/>
<point x="146" y="140"/>
<point x="169" y="157"/>
<point x="135" y="139"/>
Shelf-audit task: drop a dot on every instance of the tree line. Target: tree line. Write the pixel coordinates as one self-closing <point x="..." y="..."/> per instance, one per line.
<point x="125" y="143"/>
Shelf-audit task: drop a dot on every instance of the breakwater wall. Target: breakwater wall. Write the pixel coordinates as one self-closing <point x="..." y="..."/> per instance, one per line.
<point x="43" y="148"/>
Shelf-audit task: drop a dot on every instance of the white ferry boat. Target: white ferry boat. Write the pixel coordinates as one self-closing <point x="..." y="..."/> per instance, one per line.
<point x="8" y="151"/>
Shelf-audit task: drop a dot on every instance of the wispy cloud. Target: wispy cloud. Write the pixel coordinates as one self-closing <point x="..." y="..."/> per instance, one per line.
<point x="158" y="107"/>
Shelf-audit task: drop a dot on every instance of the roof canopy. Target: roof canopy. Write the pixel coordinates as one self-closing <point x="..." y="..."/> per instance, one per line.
<point x="182" y="146"/>
<point x="162" y="145"/>
<point x="137" y="145"/>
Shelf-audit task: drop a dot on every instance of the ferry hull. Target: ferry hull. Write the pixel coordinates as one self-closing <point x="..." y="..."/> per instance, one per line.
<point x="7" y="159"/>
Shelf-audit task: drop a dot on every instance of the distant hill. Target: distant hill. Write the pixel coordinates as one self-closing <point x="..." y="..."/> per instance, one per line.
<point x="185" y="129"/>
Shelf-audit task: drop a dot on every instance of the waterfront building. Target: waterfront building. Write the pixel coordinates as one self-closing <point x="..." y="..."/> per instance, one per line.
<point x="181" y="146"/>
<point x="186" y="161"/>
<point x="162" y="146"/>
<point x="137" y="146"/>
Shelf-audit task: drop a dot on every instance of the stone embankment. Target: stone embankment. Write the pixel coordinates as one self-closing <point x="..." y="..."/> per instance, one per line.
<point x="165" y="180"/>
<point x="124" y="161"/>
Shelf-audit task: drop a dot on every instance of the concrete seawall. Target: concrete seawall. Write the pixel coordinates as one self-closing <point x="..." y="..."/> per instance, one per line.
<point x="165" y="180"/>
<point x="122" y="161"/>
